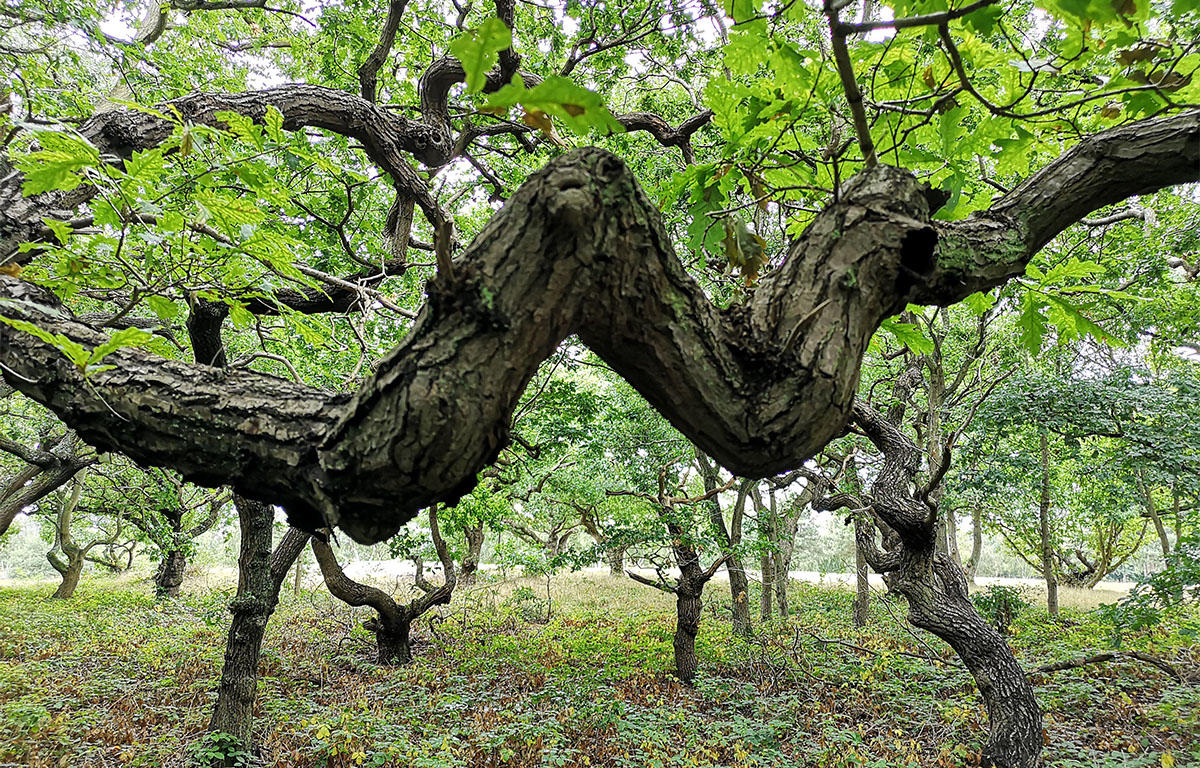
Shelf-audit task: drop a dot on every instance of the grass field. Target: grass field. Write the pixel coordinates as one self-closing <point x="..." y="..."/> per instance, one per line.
<point x="113" y="678"/>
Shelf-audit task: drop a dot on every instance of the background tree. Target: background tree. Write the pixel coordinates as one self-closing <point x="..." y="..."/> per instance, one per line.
<point x="393" y="620"/>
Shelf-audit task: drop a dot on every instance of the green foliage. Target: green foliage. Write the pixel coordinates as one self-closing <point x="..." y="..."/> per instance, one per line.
<point x="1000" y="605"/>
<point x="593" y="683"/>
<point x="220" y="750"/>
<point x="580" y="109"/>
<point x="1162" y="594"/>
<point x="479" y="50"/>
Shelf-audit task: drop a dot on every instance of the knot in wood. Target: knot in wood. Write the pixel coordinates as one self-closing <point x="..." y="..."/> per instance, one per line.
<point x="573" y="199"/>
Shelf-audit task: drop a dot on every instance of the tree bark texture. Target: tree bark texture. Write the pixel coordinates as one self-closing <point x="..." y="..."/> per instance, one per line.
<point x="168" y="577"/>
<point x="862" y="580"/>
<point x="935" y="588"/>
<point x="687" y="625"/>
<point x="578" y="249"/>
<point x="260" y="576"/>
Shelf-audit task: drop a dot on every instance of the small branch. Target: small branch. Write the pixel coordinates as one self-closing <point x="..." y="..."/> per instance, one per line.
<point x="852" y="646"/>
<point x="923" y="20"/>
<point x="1099" y="658"/>
<point x="854" y="97"/>
<point x="650" y="583"/>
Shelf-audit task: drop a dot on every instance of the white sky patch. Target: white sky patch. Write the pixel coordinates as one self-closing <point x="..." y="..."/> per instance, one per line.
<point x="882" y="35"/>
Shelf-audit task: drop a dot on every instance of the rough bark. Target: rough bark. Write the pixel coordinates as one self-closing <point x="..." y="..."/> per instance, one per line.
<point x="615" y="558"/>
<point x="935" y="588"/>
<point x="1014" y="717"/>
<point x="260" y="576"/>
<point x="862" y="580"/>
<point x="580" y="250"/>
<point x="168" y="577"/>
<point x="470" y="562"/>
<point x="687" y="625"/>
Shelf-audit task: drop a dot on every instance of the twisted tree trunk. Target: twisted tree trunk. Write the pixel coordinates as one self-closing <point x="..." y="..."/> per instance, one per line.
<point x="1047" y="539"/>
<point x="935" y="586"/>
<point x="71" y="568"/>
<point x="938" y="603"/>
<point x="393" y="620"/>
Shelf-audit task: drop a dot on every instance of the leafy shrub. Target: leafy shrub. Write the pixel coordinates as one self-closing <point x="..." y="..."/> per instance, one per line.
<point x="1158" y="594"/>
<point x="1000" y="605"/>
<point x="220" y="750"/>
<point x="527" y="605"/>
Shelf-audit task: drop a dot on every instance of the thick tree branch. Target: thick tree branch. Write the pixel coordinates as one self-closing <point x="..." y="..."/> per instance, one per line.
<point x="580" y="250"/>
<point x="388" y="140"/>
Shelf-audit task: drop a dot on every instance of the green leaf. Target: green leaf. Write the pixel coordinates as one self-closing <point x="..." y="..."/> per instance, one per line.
<point x="1070" y="270"/>
<point x="1068" y="318"/>
<point x="559" y="97"/>
<point x="56" y="165"/>
<point x="274" y="124"/>
<point x="60" y="229"/>
<point x="984" y="20"/>
<point x="126" y="337"/>
<point x="1031" y="322"/>
<point x="980" y="303"/>
<point x="479" y="50"/>
<point x="166" y="309"/>
<point x="740" y="10"/>
<point x="909" y="335"/>
<point x="73" y="350"/>
<point x="229" y="211"/>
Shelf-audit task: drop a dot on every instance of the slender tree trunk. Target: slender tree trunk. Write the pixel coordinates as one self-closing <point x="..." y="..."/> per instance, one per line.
<point x="862" y="580"/>
<point x="72" y="567"/>
<point x="972" y="565"/>
<point x="1044" y="524"/>
<point x="781" y="584"/>
<point x="470" y="561"/>
<point x="1177" y="507"/>
<point x="251" y="608"/>
<point x="687" y="626"/>
<point x="765" y="565"/>
<point x="260" y="575"/>
<point x="169" y="576"/>
<point x="299" y="574"/>
<point x="1152" y="512"/>
<point x="392" y="642"/>
<point x="70" y="576"/>
<point x="739" y="594"/>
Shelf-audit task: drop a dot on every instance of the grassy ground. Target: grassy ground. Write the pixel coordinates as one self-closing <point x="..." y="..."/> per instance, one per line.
<point x="113" y="678"/>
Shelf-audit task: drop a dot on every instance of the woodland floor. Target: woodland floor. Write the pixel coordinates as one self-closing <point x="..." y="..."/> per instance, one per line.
<point x="112" y="678"/>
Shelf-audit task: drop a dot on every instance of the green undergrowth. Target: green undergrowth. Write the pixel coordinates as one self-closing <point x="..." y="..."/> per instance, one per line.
<point x="115" y="678"/>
